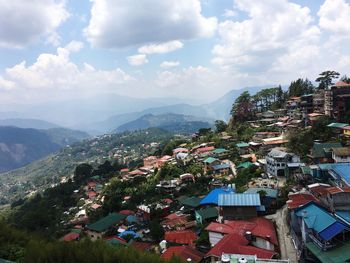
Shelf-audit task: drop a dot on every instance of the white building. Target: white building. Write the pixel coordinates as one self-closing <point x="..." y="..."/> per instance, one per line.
<point x="279" y="162"/>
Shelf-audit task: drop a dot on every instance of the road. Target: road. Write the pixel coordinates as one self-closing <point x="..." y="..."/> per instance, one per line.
<point x="286" y="244"/>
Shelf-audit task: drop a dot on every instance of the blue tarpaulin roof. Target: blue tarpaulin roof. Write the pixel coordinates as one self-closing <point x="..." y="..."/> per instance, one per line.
<point x="320" y="220"/>
<point x="239" y="200"/>
<point x="213" y="196"/>
<point x="333" y="230"/>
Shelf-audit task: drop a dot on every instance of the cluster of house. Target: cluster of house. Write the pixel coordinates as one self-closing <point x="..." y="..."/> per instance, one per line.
<point x="233" y="220"/>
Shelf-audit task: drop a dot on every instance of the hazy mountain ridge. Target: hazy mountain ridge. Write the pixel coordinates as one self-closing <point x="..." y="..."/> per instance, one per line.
<point x="177" y="123"/>
<point x="21" y="146"/>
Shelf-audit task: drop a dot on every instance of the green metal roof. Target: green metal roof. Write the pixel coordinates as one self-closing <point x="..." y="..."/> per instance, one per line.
<point x="319" y="150"/>
<point x="210" y="160"/>
<point x="242" y="145"/>
<point x="106" y="222"/>
<point x="336" y="255"/>
<point x="269" y="192"/>
<point x="337" y="125"/>
<point x="244" y="165"/>
<point x="220" y="150"/>
<point x="191" y="201"/>
<point x="207" y="213"/>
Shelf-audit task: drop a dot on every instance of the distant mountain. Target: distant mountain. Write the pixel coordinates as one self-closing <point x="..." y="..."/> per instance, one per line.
<point x="177" y="123"/>
<point x="216" y="110"/>
<point x="21" y="146"/>
<point x="28" y="123"/>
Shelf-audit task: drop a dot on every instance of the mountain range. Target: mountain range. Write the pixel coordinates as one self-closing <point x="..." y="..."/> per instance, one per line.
<point x="21" y="146"/>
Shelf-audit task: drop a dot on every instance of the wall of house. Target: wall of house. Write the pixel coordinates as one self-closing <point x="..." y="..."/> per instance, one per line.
<point x="340" y="159"/>
<point x="339" y="201"/>
<point x="214" y="238"/>
<point x="238" y="212"/>
<point x="94" y="235"/>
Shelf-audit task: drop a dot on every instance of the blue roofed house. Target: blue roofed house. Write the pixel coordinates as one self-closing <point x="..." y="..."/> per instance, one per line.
<point x="234" y="206"/>
<point x="213" y="197"/>
<point x="317" y="231"/>
<point x="224" y="168"/>
<point x="340" y="174"/>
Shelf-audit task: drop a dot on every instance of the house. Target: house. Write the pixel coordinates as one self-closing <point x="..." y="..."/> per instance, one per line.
<point x="340" y="174"/>
<point x="337" y="100"/>
<point x="322" y="152"/>
<point x="346" y="131"/>
<point x="299" y="199"/>
<point x="204" y="150"/>
<point x="187" y="178"/>
<point x="163" y="160"/>
<point x="316" y="230"/>
<point x="270" y="143"/>
<point x="175" y="221"/>
<point x="223" y="169"/>
<point x="341" y="155"/>
<point x="260" y="232"/>
<point x="184" y="158"/>
<point x="212" y="198"/>
<point x="186" y="253"/>
<point x="338" y="128"/>
<point x="244" y="165"/>
<point x="280" y="163"/>
<point x="185" y="237"/>
<point x="337" y="199"/>
<point x="249" y="258"/>
<point x="99" y="228"/>
<point x="72" y="236"/>
<point x="150" y="161"/>
<point x="180" y="150"/>
<point x="206" y="214"/>
<point x="238" y="206"/>
<point x="220" y="153"/>
<point x="268" y="196"/>
<point x="190" y="203"/>
<point x="145" y="213"/>
<point x="209" y="163"/>
<point x="243" y="148"/>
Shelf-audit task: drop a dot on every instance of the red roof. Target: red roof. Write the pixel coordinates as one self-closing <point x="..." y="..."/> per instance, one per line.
<point x="346" y="128"/>
<point x="71" y="236"/>
<point x="319" y="190"/>
<point x="95" y="206"/>
<point x="186" y="237"/>
<point x="168" y="200"/>
<point x="205" y="149"/>
<point x="92" y="194"/>
<point x="183" y="252"/>
<point x="141" y="245"/>
<point x="336" y="190"/>
<point x="299" y="199"/>
<point x="91" y="184"/>
<point x="124" y="170"/>
<point x="259" y="226"/>
<point x="237" y="244"/>
<point x="126" y="212"/>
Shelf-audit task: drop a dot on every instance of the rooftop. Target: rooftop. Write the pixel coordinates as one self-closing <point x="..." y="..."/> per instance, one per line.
<point x="213" y="196"/>
<point x="106" y="222"/>
<point x="336" y="255"/>
<point x="269" y="192"/>
<point x="183" y="252"/>
<point x="234" y="199"/>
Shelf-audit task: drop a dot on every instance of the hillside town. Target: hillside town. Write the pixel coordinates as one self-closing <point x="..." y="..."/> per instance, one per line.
<point x="213" y="197"/>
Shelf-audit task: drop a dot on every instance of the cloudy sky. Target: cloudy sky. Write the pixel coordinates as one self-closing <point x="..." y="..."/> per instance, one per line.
<point x="58" y="49"/>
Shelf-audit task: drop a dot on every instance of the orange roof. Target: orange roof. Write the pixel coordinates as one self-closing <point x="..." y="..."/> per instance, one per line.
<point x="205" y="149"/>
<point x="183" y="252"/>
<point x="186" y="237"/>
<point x="342" y="84"/>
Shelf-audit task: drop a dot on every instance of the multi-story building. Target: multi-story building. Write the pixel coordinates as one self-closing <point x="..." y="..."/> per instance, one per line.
<point x="279" y="162"/>
<point x="337" y="100"/>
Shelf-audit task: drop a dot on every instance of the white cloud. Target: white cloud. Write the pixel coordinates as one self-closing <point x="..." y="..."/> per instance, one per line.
<point x="169" y="64"/>
<point x="53" y="75"/>
<point x="334" y="16"/>
<point x="74" y="46"/>
<point x="23" y="22"/>
<point x="120" y="23"/>
<point x="137" y="60"/>
<point x="272" y="27"/>
<point x="229" y="13"/>
<point x="161" y="48"/>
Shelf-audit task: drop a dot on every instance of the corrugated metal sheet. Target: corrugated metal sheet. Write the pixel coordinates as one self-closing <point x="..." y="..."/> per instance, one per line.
<point x="213" y="196"/>
<point x="239" y="200"/>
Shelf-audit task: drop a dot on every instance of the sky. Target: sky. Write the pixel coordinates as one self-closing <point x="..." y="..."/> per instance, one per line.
<point x="193" y="49"/>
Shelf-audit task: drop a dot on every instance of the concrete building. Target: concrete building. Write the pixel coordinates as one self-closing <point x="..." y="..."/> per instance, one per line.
<point x="337" y="100"/>
<point x="280" y="163"/>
